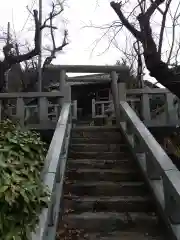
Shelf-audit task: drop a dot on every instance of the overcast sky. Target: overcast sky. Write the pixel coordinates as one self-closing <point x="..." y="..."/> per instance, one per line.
<point x="79" y="13"/>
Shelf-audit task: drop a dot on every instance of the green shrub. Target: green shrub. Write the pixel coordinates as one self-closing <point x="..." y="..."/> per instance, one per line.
<point x="22" y="193"/>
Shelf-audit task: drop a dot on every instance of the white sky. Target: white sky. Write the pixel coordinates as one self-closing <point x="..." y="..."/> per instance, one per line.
<point x="78" y="13"/>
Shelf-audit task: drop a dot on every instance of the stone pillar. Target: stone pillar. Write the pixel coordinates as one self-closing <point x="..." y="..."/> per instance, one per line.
<point x="115" y="95"/>
<point x="0" y="110"/>
<point x="64" y="88"/>
<point x="20" y="110"/>
<point x="121" y="89"/>
<point x="62" y="82"/>
<point x="145" y="108"/>
<point x="122" y="94"/>
<point x="93" y="108"/>
<point x="67" y="93"/>
<point x="43" y="110"/>
<point x="171" y="113"/>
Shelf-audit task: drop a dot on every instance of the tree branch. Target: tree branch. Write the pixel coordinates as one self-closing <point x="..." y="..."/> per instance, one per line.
<point x="163" y="26"/>
<point x="117" y="8"/>
<point x="10" y="59"/>
<point x="152" y="8"/>
<point x="52" y="15"/>
<point x="55" y="49"/>
<point x="157" y="68"/>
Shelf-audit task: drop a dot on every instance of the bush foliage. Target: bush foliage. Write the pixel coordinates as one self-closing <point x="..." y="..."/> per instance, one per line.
<point x="22" y="193"/>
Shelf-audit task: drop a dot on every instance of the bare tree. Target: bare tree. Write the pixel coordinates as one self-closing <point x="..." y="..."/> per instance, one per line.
<point x="55" y="46"/>
<point x="140" y="27"/>
<point x="130" y="51"/>
<point x="28" y="60"/>
<point x="54" y="49"/>
<point x="11" y="59"/>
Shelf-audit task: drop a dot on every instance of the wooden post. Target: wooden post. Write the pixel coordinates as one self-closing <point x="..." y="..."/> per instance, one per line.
<point x="115" y="95"/>
<point x="20" y="110"/>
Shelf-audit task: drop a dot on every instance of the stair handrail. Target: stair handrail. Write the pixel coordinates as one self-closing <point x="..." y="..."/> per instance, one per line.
<point x="53" y="175"/>
<point x="161" y="174"/>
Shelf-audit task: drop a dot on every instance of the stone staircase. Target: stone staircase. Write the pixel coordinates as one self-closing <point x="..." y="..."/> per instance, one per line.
<point x="105" y="196"/>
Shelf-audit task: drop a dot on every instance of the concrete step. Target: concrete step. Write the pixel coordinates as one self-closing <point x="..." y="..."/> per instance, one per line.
<point x="106" y="188"/>
<point x="104" y="193"/>
<point x="109" y="204"/>
<point x="96" y="174"/>
<point x="97" y="140"/>
<point x="126" y="236"/>
<point x="151" y="235"/>
<point x="96" y="129"/>
<point x="96" y="132"/>
<point x="99" y="147"/>
<point x="111" y="221"/>
<point x="97" y="155"/>
<point x="80" y="234"/>
<point x="101" y="163"/>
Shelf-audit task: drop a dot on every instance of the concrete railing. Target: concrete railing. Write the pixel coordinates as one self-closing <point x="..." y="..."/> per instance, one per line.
<point x="161" y="174"/>
<point x="53" y="175"/>
<point x="74" y="109"/>
<point x="139" y="100"/>
<point x="163" y="115"/>
<point x="45" y="113"/>
<point x="99" y="108"/>
<point x="32" y="107"/>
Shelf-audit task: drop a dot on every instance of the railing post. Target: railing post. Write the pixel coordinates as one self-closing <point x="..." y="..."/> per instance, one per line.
<point x="122" y="94"/>
<point x="121" y="90"/>
<point x="102" y="110"/>
<point x="20" y="110"/>
<point x="171" y="112"/>
<point x="178" y="108"/>
<point x="115" y="95"/>
<point x="146" y="113"/>
<point x="64" y="88"/>
<point x="152" y="168"/>
<point x="74" y="109"/>
<point x="171" y="196"/>
<point x="67" y="93"/>
<point x="62" y="83"/>
<point x="43" y="110"/>
<point x="130" y="135"/>
<point x="0" y="110"/>
<point x="140" y="152"/>
<point x="93" y="108"/>
<point x="62" y="79"/>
